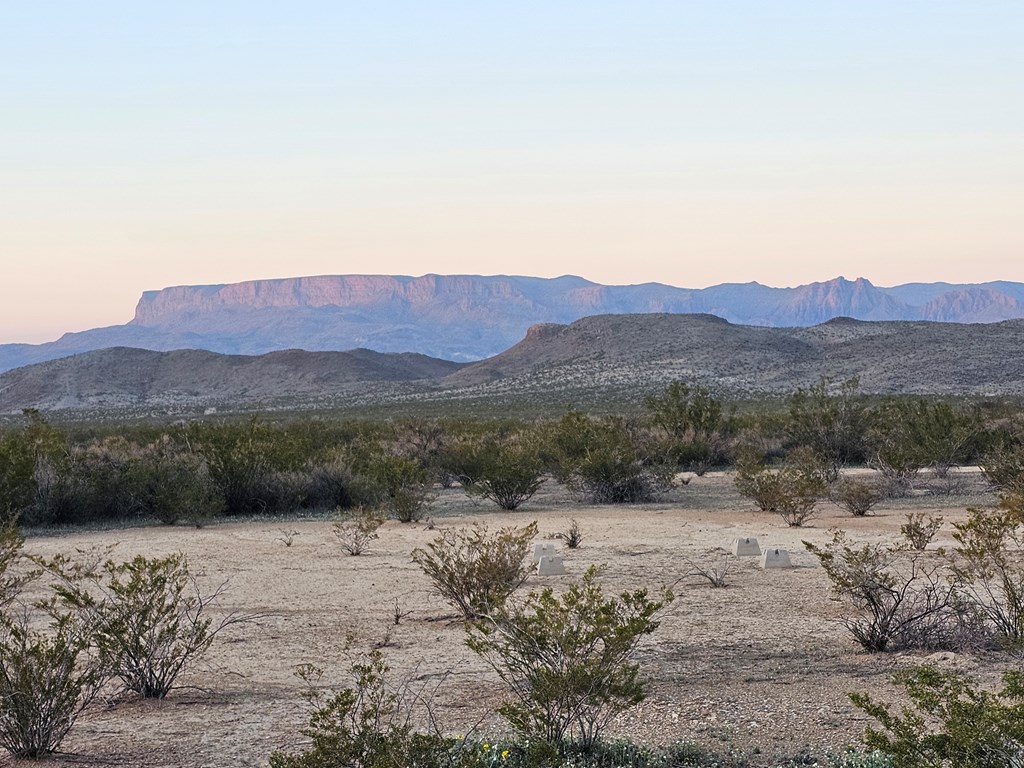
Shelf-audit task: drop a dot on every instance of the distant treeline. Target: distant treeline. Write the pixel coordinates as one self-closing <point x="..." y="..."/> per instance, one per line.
<point x="199" y="471"/>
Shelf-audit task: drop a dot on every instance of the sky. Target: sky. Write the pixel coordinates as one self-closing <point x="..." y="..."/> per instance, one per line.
<point x="144" y="145"/>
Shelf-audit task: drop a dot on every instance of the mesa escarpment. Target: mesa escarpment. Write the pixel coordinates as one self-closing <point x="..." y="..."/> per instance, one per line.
<point x="473" y="317"/>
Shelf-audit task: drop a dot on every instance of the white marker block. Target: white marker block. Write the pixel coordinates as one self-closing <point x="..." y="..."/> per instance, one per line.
<point x="746" y="546"/>
<point x="775" y="558"/>
<point x="542" y="550"/>
<point x="551" y="565"/>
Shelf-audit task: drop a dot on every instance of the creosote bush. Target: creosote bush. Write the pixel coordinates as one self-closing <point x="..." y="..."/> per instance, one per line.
<point x="47" y="679"/>
<point x="954" y="722"/>
<point x="12" y="579"/>
<point x="369" y="725"/>
<point x="148" y="618"/>
<point x="792" y="491"/>
<point x="572" y="536"/>
<point x="857" y="497"/>
<point x="605" y="461"/>
<point x="568" y="660"/>
<point x="357" y="530"/>
<point x="508" y="473"/>
<point x="987" y="563"/>
<point x="830" y="420"/>
<point x="894" y="595"/>
<point x="476" y="570"/>
<point x="920" y="529"/>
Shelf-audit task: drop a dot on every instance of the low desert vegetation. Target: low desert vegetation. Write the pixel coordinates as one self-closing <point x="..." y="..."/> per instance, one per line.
<point x="793" y="491"/>
<point x="951" y="721"/>
<point x="356" y="529"/>
<point x="476" y="570"/>
<point x="140" y="622"/>
<point x="567" y="659"/>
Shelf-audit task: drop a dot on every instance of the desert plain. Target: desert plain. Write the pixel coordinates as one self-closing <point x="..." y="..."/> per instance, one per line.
<point x="760" y="668"/>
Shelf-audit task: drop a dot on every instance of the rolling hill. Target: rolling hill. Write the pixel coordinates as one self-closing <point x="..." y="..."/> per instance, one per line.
<point x="604" y="358"/>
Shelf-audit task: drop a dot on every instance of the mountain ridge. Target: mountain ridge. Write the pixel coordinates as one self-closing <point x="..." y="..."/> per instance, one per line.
<point x="601" y="358"/>
<point x="473" y="317"/>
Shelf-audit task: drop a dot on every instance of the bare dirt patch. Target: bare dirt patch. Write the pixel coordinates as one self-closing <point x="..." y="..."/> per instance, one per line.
<point x="762" y="666"/>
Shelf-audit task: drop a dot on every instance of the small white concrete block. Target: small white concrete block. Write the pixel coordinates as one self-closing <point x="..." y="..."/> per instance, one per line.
<point x="746" y="546"/>
<point x="542" y="550"/>
<point x="775" y="558"/>
<point x="551" y="565"/>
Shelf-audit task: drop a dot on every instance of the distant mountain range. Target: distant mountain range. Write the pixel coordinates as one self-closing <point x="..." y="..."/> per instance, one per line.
<point x="599" y="359"/>
<point x="468" y="317"/>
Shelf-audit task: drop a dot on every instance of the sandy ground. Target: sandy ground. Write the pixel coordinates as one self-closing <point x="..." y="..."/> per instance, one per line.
<point x="761" y="667"/>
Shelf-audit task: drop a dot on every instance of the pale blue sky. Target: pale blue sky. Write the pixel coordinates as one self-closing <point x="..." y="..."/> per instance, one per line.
<point x="145" y="145"/>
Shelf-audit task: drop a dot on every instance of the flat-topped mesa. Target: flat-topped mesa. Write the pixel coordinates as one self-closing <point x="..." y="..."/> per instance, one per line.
<point x="339" y="291"/>
<point x="542" y="331"/>
<point x="471" y="317"/>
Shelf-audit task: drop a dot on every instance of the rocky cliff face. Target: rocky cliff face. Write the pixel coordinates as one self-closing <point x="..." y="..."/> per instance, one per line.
<point x="471" y="317"/>
<point x="430" y="294"/>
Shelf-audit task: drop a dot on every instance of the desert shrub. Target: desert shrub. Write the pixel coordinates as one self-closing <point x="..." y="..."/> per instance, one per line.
<point x="357" y="530"/>
<point x="17" y="480"/>
<point x="566" y="442"/>
<point x="475" y="570"/>
<point x="987" y="563"/>
<point x="12" y="579"/>
<point x="619" y="475"/>
<point x="892" y="593"/>
<point x="176" y="485"/>
<point x="397" y="485"/>
<point x="910" y="434"/>
<point x="1004" y="468"/>
<point x="573" y="536"/>
<point x="935" y="434"/>
<point x="857" y="497"/>
<point x="792" y="491"/>
<point x="329" y="485"/>
<point x="22" y="451"/>
<point x="239" y="466"/>
<point x="47" y="679"/>
<point x="831" y="421"/>
<point x="507" y="472"/>
<point x="568" y="660"/>
<point x="953" y="722"/>
<point x="920" y="529"/>
<point x="690" y="421"/>
<point x="149" y="618"/>
<point x="369" y="725"/>
<point x="716" y="574"/>
<point x="606" y="462"/>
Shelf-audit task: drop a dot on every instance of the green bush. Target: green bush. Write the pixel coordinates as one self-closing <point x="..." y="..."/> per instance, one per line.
<point x="177" y="485"/>
<point x="897" y="600"/>
<point x="953" y="722"/>
<point x="793" y="492"/>
<point x="355" y="531"/>
<point x="606" y="462"/>
<point x="690" y="423"/>
<point x="475" y="570"/>
<point x="831" y="421"/>
<point x="989" y="570"/>
<point x="568" y="660"/>
<point x="149" y="619"/>
<point x="368" y="726"/>
<point x="920" y="529"/>
<point x="507" y="472"/>
<point x="11" y="578"/>
<point x="47" y="679"/>
<point x="857" y="497"/>
<point x="397" y="485"/>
